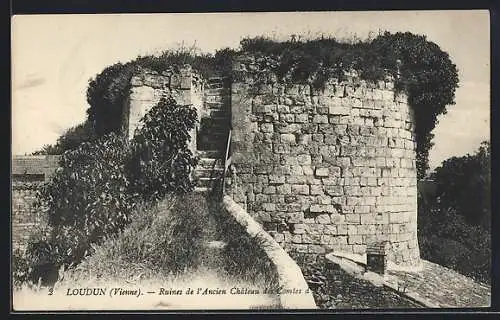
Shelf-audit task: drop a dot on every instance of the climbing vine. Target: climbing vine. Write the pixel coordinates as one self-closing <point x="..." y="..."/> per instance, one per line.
<point x="420" y="68"/>
<point x="160" y="160"/>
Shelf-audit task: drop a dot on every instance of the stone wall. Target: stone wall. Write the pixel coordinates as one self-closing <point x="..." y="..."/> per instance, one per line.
<point x="325" y="170"/>
<point x="28" y="174"/>
<point x="148" y="87"/>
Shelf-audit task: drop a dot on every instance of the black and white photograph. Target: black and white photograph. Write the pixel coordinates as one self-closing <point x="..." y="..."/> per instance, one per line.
<point x="251" y="161"/>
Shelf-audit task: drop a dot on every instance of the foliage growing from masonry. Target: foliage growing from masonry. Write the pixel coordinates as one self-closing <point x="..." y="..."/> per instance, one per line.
<point x="106" y="94"/>
<point x="160" y="160"/>
<point x="419" y="66"/>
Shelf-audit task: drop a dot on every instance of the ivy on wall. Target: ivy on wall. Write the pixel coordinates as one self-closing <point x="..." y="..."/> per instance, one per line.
<point x="420" y="67"/>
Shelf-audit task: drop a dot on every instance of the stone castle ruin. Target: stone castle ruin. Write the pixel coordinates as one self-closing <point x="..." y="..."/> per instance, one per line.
<point x="322" y="170"/>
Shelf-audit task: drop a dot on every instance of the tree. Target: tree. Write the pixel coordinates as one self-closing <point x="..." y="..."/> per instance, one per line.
<point x="71" y="139"/>
<point x="464" y="185"/>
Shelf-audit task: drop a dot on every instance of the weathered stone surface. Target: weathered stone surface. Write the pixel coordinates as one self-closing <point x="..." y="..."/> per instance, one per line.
<point x="350" y="157"/>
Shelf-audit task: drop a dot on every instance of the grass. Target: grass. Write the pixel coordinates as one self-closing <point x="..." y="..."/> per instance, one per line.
<point x="244" y="256"/>
<point x="162" y="239"/>
<point x="163" y="247"/>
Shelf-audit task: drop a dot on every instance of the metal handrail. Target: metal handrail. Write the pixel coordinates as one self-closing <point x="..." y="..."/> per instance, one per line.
<point x="227" y="160"/>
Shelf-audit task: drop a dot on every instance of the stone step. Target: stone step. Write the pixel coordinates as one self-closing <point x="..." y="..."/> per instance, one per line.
<point x="216" y="80"/>
<point x="210" y="143"/>
<point x="214" y="122"/>
<point x="217" y="105"/>
<point x="212" y="136"/>
<point x="216" y="139"/>
<point x="207" y="163"/>
<point x="208" y="173"/>
<point x="206" y="182"/>
<point x="216" y="77"/>
<point x="217" y="91"/>
<point x="209" y="124"/>
<point x="216" y="113"/>
<point x="214" y="154"/>
<point x="215" y="99"/>
<point x="202" y="189"/>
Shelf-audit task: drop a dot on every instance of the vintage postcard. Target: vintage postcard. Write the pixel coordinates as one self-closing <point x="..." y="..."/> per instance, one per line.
<point x="251" y="161"/>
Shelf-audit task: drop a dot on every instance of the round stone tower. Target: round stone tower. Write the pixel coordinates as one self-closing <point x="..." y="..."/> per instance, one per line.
<point x="325" y="170"/>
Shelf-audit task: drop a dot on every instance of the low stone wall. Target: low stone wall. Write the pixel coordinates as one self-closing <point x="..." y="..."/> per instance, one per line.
<point x="289" y="274"/>
<point x="28" y="174"/>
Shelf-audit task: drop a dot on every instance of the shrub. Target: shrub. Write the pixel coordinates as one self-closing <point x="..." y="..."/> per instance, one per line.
<point x="21" y="268"/>
<point x="106" y="95"/>
<point x="87" y="198"/>
<point x="160" y="160"/>
<point x="92" y="194"/>
<point x="447" y="239"/>
<point x="454" y="224"/>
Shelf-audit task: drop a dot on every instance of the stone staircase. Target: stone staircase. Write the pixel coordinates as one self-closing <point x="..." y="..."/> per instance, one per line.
<point x="212" y="134"/>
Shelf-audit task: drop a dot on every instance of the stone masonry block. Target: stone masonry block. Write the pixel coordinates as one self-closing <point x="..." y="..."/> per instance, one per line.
<point x="322" y="172"/>
<point x="288" y="138"/>
<point x="337" y="219"/>
<point x="317" y="249"/>
<point x="320" y="118"/>
<point x="304" y="159"/>
<point x="301" y="118"/>
<point x="338" y="110"/>
<point x="353" y="218"/>
<point x="334" y="190"/>
<point x="316" y="189"/>
<point x="352" y="229"/>
<point x="300" y="189"/>
<point x="355" y="239"/>
<point x="269" y="206"/>
<point x="330" y="229"/>
<point x="322" y="208"/>
<point x="327" y="239"/>
<point x="342" y="229"/>
<point x="276" y="180"/>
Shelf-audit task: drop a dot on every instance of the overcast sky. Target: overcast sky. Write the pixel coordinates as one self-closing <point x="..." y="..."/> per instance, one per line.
<point x="54" y="56"/>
